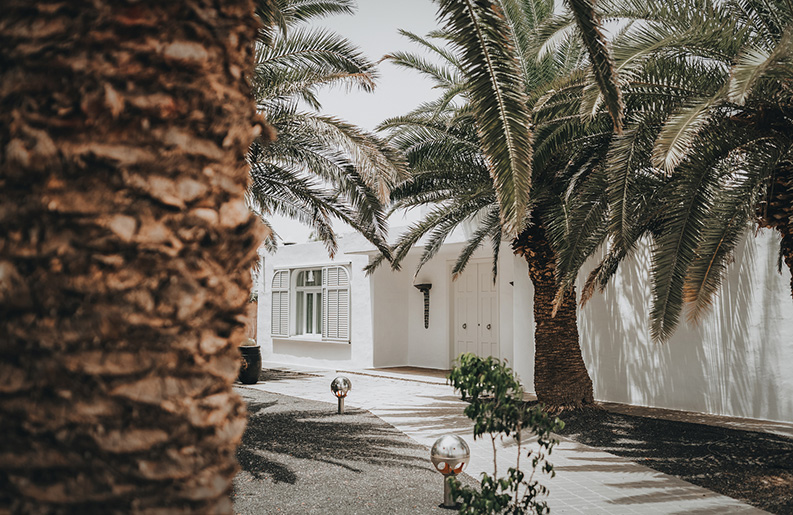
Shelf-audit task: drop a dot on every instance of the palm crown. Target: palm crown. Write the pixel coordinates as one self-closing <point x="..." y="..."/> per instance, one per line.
<point x="456" y="150"/>
<point x="706" y="147"/>
<point x="319" y="168"/>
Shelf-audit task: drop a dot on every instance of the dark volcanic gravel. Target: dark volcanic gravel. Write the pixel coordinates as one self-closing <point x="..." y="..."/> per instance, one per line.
<point x="756" y="468"/>
<point x="299" y="456"/>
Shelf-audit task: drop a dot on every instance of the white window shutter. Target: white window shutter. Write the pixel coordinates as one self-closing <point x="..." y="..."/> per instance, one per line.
<point x="284" y="320"/>
<point x="336" y="299"/>
<point x="279" y="321"/>
<point x="332" y="314"/>
<point x="344" y="314"/>
<point x="332" y="276"/>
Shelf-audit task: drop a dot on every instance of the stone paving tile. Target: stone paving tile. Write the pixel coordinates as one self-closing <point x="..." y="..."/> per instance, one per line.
<point x="588" y="480"/>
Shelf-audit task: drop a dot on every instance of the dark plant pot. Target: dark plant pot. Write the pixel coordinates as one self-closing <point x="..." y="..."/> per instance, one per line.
<point x="251" y="364"/>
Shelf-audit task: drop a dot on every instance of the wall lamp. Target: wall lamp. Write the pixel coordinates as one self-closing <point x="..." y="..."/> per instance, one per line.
<point x="425" y="289"/>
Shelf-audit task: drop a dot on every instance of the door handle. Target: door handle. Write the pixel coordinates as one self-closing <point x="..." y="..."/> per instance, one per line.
<point x="465" y="326"/>
<point x="488" y="327"/>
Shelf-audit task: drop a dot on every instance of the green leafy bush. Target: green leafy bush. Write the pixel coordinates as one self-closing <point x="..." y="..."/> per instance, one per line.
<point x="497" y="408"/>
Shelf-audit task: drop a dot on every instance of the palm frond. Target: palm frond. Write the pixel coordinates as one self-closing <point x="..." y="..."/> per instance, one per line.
<point x="680" y="132"/>
<point x="489" y="225"/>
<point x="685" y="210"/>
<point x="300" y="11"/>
<point x="440" y="50"/>
<point x="498" y="99"/>
<point x="733" y="210"/>
<point x="754" y="63"/>
<point x="305" y="59"/>
<point x="602" y="63"/>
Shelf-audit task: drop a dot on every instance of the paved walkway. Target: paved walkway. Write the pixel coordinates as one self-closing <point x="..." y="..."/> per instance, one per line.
<point x="588" y="480"/>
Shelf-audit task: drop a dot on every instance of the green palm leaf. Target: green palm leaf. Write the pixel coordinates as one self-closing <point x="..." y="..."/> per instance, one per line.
<point x="681" y="130"/>
<point x="728" y="222"/>
<point x="320" y="169"/>
<point x="498" y="99"/>
<point x="756" y="62"/>
<point x="602" y="63"/>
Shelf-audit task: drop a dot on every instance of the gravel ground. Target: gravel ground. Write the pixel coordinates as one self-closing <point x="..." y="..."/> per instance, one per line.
<point x="299" y="456"/>
<point x="756" y="468"/>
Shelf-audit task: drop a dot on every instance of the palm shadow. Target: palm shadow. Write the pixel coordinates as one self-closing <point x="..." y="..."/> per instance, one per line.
<point x="275" y="437"/>
<point x="708" y="456"/>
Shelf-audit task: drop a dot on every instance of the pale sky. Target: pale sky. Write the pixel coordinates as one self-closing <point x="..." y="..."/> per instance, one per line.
<point x="374" y="29"/>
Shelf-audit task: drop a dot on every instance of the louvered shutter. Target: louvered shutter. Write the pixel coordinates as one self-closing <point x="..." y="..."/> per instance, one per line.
<point x="344" y="314"/>
<point x="336" y="300"/>
<point x="280" y="304"/>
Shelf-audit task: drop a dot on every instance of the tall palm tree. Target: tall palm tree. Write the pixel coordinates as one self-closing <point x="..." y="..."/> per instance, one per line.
<point x="706" y="149"/>
<point x="125" y="246"/>
<point x="452" y="167"/>
<point x="319" y="168"/>
<point x="488" y="34"/>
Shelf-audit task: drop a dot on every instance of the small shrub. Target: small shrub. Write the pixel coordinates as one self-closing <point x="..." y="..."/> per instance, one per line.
<point x="497" y="408"/>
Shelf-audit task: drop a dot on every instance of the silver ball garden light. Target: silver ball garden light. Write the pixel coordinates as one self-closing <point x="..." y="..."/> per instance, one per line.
<point x="449" y="455"/>
<point x="340" y="387"/>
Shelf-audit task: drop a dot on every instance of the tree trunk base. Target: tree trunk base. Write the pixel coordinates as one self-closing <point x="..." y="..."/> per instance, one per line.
<point x="561" y="380"/>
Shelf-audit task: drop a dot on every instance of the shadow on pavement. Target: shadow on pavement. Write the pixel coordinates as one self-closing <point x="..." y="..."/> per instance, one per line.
<point x="750" y="466"/>
<point x="273" y="437"/>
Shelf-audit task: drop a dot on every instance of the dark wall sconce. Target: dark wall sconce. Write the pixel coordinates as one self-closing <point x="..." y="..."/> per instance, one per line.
<point x="425" y="289"/>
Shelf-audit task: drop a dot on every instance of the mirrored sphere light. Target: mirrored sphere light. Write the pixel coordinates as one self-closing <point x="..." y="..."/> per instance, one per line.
<point x="340" y="386"/>
<point x="450" y="454"/>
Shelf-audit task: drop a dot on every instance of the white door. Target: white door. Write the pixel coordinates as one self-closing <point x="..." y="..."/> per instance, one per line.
<point x="476" y="311"/>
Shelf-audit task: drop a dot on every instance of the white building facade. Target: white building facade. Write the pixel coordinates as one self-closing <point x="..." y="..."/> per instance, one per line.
<point x="737" y="361"/>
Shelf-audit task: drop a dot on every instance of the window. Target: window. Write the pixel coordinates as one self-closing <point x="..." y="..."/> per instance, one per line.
<point x="308" y="298"/>
<point x="315" y="300"/>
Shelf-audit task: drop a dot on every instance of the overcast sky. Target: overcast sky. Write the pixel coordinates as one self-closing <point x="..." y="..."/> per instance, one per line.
<point x="374" y="29"/>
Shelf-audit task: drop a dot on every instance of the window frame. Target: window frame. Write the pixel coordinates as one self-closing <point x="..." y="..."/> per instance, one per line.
<point x="340" y="289"/>
<point x="301" y="318"/>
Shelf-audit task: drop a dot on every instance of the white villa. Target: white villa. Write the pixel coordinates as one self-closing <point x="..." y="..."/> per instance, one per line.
<point x="317" y="311"/>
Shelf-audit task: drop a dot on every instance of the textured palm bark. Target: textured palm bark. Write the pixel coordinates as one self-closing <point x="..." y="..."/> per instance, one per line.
<point x="777" y="213"/>
<point x="561" y="380"/>
<point x="125" y="246"/>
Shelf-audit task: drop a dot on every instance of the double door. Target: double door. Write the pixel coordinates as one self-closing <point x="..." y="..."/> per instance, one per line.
<point x="476" y="311"/>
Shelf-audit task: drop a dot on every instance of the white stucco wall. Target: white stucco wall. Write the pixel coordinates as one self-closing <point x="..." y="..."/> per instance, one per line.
<point x="432" y="347"/>
<point x="523" y="322"/>
<point x="388" y="311"/>
<point x="737" y="361"/>
<point x="390" y="291"/>
<point x="429" y="347"/>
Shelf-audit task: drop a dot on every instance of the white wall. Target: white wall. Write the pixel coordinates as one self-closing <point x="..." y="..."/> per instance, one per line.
<point x="433" y="347"/>
<point x="429" y="347"/>
<point x="737" y="361"/>
<point x="523" y="322"/>
<point x="506" y="303"/>
<point x="389" y="311"/>
<point x="400" y="335"/>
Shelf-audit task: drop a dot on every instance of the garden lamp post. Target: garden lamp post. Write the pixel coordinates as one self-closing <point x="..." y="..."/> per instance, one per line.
<point x="449" y="455"/>
<point x="340" y="386"/>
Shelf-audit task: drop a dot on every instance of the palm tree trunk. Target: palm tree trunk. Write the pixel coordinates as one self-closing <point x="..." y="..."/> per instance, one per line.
<point x="561" y="380"/>
<point x="125" y="244"/>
